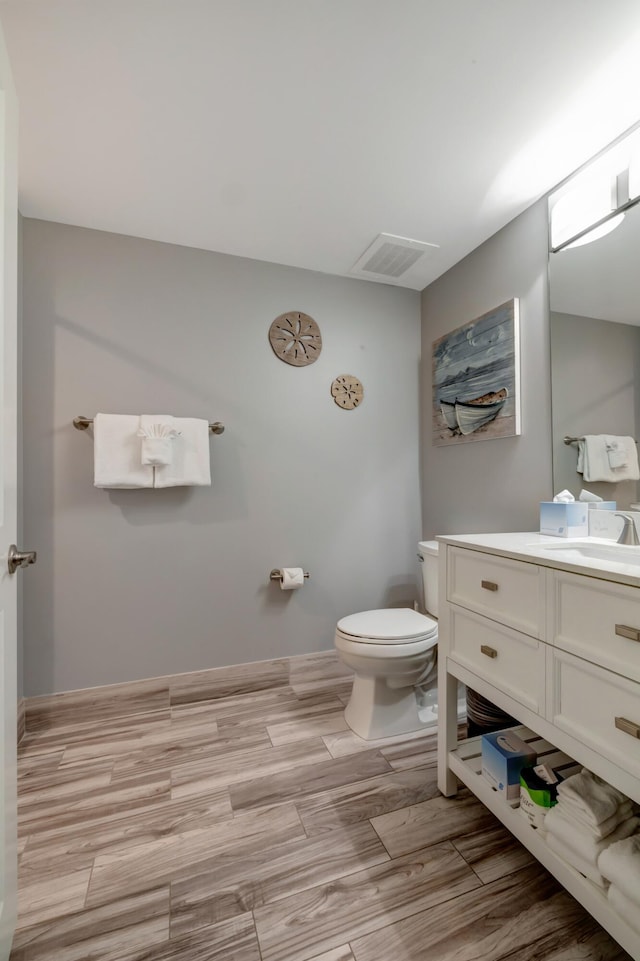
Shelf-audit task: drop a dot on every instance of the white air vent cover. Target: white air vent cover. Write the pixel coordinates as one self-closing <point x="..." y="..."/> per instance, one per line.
<point x="395" y="260"/>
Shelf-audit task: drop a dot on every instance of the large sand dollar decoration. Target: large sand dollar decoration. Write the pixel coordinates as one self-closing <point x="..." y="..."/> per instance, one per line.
<point x="295" y="338"/>
<point x="347" y="391"/>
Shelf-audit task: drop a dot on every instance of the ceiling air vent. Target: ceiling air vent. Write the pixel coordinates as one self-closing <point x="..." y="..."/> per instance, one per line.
<point x="395" y="260"/>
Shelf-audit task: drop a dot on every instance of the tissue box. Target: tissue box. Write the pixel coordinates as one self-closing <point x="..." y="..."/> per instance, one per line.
<point x="601" y="505"/>
<point x="564" y="520"/>
<point x="539" y="785"/>
<point x="504" y="755"/>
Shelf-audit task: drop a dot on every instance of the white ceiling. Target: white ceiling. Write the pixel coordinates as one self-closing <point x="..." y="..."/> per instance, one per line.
<point x="295" y="131"/>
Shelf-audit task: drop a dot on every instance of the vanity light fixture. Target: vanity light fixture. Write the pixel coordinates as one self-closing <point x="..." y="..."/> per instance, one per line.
<point x="592" y="202"/>
<point x="596" y="232"/>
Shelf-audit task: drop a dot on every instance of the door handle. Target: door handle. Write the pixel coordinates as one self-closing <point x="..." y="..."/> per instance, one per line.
<point x="16" y="558"/>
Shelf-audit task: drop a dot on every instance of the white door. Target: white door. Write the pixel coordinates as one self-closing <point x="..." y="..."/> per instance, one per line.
<point x="8" y="499"/>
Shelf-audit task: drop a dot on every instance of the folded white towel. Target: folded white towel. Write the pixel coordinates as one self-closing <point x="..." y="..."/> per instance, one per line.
<point x="620" y="864"/>
<point x="598" y="831"/>
<point x="626" y="908"/>
<point x="577" y="838"/>
<point x="594" y="461"/>
<point x="573" y="858"/>
<point x="157" y="432"/>
<point x="592" y="799"/>
<point x="116" y="452"/>
<point x="190" y="464"/>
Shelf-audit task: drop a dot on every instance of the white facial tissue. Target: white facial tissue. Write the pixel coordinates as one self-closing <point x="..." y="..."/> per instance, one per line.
<point x="588" y="496"/>
<point x="564" y="497"/>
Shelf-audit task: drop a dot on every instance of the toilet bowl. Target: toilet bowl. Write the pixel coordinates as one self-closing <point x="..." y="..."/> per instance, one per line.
<point x="393" y="653"/>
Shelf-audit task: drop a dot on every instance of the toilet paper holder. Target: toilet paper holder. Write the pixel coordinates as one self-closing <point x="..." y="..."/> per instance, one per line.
<point x="276" y="575"/>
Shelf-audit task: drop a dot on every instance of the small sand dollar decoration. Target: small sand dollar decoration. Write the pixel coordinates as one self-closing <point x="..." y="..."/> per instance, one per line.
<point x="295" y="338"/>
<point x="347" y="391"/>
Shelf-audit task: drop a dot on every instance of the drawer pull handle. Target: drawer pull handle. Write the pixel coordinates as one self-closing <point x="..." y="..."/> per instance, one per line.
<point x="633" y="633"/>
<point x="489" y="651"/>
<point x="628" y="727"/>
<point x="489" y="585"/>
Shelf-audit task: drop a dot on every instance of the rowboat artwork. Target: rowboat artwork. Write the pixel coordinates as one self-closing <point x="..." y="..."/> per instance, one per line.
<point x="475" y="383"/>
<point x="468" y="415"/>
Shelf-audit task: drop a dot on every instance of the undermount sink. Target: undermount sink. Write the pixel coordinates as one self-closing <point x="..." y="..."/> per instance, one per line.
<point x="616" y="553"/>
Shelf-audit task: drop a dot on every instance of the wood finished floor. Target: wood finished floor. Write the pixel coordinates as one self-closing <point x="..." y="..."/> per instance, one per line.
<point x="256" y="827"/>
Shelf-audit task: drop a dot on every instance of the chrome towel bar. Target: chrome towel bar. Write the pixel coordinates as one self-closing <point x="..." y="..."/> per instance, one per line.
<point x="574" y="440"/>
<point x="82" y="423"/>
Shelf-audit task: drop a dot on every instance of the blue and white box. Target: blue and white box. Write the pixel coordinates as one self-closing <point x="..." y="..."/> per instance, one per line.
<point x="504" y="755"/>
<point x="564" y="520"/>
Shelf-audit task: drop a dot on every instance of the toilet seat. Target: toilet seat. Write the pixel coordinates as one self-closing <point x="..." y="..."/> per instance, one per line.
<point x="389" y="626"/>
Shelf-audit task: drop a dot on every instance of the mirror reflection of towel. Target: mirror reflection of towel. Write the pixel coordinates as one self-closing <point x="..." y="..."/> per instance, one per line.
<point x="616" y="452"/>
<point x="594" y="463"/>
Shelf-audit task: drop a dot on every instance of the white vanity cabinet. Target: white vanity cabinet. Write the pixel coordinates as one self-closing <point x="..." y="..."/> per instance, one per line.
<point x="554" y="640"/>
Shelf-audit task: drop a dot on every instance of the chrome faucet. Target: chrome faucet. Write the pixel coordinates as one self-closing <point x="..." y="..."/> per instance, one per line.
<point x="628" y="534"/>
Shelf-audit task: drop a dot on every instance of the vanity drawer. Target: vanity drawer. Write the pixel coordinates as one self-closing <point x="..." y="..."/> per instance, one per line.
<point x="597" y="708"/>
<point x="508" y="591"/>
<point x="511" y="661"/>
<point x="598" y="620"/>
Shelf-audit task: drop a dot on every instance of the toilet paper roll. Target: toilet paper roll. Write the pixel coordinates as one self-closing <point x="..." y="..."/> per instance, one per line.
<point x="292" y="578"/>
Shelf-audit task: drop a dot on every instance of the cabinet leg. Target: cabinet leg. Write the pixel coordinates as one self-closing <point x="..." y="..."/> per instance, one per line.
<point x="447" y="728"/>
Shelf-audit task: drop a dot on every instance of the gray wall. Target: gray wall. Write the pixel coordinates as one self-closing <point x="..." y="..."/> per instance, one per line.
<point x="594" y="371"/>
<point x="133" y="584"/>
<point x="493" y="485"/>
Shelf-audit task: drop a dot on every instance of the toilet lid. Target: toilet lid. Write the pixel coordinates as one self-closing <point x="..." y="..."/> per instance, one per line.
<point x="388" y="625"/>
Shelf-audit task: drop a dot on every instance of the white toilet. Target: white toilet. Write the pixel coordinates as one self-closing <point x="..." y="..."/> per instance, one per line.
<point x="393" y="655"/>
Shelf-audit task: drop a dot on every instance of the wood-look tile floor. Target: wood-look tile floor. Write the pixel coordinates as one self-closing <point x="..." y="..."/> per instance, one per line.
<point x="255" y="826"/>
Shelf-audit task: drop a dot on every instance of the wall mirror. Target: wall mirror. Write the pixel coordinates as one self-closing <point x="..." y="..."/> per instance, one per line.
<point x="594" y="293"/>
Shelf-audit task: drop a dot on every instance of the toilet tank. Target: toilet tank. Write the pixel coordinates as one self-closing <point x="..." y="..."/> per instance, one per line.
<point x="428" y="551"/>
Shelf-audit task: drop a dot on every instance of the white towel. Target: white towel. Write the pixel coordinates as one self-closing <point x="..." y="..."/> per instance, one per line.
<point x="116" y="452"/>
<point x="598" y="831"/>
<point x="190" y="466"/>
<point x="616" y="451"/>
<point x="574" y="859"/>
<point x="627" y="909"/>
<point x="577" y="838"/>
<point x="620" y="864"/>
<point x="596" y="453"/>
<point x="157" y="432"/>
<point x="591" y="798"/>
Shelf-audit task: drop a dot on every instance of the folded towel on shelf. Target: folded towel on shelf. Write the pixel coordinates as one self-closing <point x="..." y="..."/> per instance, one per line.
<point x="576" y="837"/>
<point x="627" y="909"/>
<point x="572" y="857"/>
<point x="597" y="831"/>
<point x="116" y="452"/>
<point x="190" y="462"/>
<point x="598" y="453"/>
<point x="589" y="798"/>
<point x="157" y="432"/>
<point x="620" y="864"/>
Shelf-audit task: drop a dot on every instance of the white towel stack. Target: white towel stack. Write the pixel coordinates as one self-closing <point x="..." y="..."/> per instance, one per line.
<point x="590" y="816"/>
<point x="620" y="864"/>
<point x="605" y="457"/>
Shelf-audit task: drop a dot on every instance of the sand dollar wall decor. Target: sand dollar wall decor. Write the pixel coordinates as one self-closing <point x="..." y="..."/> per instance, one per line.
<point x="347" y="391"/>
<point x="295" y="338"/>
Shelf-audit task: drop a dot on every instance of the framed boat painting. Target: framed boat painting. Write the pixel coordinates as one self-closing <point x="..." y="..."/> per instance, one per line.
<point x="476" y="379"/>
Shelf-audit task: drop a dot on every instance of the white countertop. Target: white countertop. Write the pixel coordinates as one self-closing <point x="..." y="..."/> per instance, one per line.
<point x="618" y="562"/>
